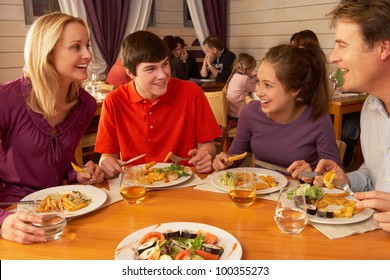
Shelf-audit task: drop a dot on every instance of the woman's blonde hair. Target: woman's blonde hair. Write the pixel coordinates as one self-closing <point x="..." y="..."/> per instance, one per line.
<point x="45" y="80"/>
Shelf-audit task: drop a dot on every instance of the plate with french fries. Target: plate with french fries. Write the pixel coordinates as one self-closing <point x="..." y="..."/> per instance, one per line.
<point x="337" y="207"/>
<point x="266" y="181"/>
<point x="76" y="200"/>
<point x="162" y="175"/>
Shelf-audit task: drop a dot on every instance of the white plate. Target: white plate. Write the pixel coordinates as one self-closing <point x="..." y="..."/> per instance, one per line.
<point x="160" y="184"/>
<point x="128" y="246"/>
<point x="281" y="180"/>
<point x="98" y="197"/>
<point x="364" y="215"/>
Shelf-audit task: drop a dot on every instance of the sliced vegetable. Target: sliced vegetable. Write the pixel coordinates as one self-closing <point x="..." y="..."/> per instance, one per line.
<point x="184" y="255"/>
<point x="206" y="255"/>
<point x="171" y="234"/>
<point x="153" y="235"/>
<point x="165" y="257"/>
<point x="146" y="245"/>
<point x="155" y="256"/>
<point x="209" y="238"/>
<point x="213" y="249"/>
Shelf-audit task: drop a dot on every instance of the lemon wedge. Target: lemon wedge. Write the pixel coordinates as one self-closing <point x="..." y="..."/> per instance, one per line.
<point x="237" y="157"/>
<point x="167" y="156"/>
<point x="78" y="168"/>
<point x="328" y="179"/>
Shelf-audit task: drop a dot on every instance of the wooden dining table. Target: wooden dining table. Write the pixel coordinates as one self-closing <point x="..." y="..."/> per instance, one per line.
<point x="96" y="235"/>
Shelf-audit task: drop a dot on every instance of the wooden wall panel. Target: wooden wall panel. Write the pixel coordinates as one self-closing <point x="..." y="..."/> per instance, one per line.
<point x="9" y="74"/>
<point x="12" y="45"/>
<point x="12" y="12"/>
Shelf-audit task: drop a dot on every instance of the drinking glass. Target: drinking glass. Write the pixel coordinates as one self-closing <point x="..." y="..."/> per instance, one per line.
<point x="133" y="186"/>
<point x="290" y="213"/>
<point x="242" y="189"/>
<point x="49" y="208"/>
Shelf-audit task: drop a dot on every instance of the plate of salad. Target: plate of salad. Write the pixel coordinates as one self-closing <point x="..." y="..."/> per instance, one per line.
<point x="179" y="241"/>
<point x="220" y="179"/>
<point x="331" y="206"/>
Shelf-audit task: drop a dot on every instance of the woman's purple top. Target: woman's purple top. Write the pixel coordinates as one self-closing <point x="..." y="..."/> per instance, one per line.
<point x="282" y="144"/>
<point x="31" y="157"/>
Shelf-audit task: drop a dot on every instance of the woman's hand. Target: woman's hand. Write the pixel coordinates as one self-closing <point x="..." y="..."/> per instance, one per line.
<point x="296" y="167"/>
<point x="221" y="162"/>
<point x="18" y="228"/>
<point x="96" y="176"/>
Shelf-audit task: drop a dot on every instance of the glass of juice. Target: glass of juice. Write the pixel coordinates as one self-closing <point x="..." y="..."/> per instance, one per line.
<point x="242" y="189"/>
<point x="133" y="187"/>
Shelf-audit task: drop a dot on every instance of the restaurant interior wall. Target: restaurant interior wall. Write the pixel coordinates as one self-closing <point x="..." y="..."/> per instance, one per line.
<point x="252" y="26"/>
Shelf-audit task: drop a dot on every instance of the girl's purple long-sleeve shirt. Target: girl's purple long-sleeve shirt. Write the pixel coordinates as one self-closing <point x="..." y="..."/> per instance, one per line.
<point x="282" y="144"/>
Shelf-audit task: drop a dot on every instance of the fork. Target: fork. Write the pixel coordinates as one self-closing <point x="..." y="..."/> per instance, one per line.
<point x="177" y="159"/>
<point x="343" y="186"/>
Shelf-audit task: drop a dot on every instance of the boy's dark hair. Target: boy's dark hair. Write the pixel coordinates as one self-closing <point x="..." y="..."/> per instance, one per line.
<point x="142" y="46"/>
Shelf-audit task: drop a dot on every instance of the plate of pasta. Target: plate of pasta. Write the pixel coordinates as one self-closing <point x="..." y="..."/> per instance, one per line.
<point x="77" y="200"/>
<point x="266" y="181"/>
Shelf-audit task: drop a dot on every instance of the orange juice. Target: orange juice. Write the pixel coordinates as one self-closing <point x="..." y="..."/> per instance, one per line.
<point x="133" y="194"/>
<point x="242" y="198"/>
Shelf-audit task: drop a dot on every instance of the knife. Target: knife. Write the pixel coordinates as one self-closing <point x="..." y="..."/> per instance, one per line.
<point x="308" y="174"/>
<point x="132" y="159"/>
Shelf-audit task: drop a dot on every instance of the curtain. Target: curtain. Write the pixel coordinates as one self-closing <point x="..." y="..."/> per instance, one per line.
<point x="138" y="16"/>
<point x="215" y="14"/>
<point x="108" y="21"/>
<point x="195" y="8"/>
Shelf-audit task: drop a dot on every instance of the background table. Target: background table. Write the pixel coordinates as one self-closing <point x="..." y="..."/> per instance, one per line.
<point x="345" y="105"/>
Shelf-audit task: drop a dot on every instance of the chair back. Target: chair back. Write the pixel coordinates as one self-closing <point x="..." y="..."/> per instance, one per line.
<point x="217" y="101"/>
<point x="342" y="147"/>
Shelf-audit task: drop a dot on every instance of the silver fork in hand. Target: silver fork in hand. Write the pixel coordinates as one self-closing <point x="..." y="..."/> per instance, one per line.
<point x="343" y="186"/>
<point x="177" y="159"/>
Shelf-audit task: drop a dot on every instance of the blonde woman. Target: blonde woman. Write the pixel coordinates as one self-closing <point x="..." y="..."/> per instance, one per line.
<point x="240" y="84"/>
<point x="43" y="116"/>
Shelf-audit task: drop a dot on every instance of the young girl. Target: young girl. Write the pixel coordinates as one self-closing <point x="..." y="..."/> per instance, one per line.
<point x="240" y="83"/>
<point x="290" y="125"/>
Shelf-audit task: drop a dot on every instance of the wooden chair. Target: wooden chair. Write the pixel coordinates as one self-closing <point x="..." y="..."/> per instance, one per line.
<point x="88" y="140"/>
<point x="217" y="101"/>
<point x="342" y="147"/>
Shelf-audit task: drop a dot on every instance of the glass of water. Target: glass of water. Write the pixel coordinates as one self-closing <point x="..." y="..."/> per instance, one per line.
<point x="290" y="213"/>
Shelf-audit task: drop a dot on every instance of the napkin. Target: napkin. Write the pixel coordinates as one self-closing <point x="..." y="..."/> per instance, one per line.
<point x="339" y="231"/>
